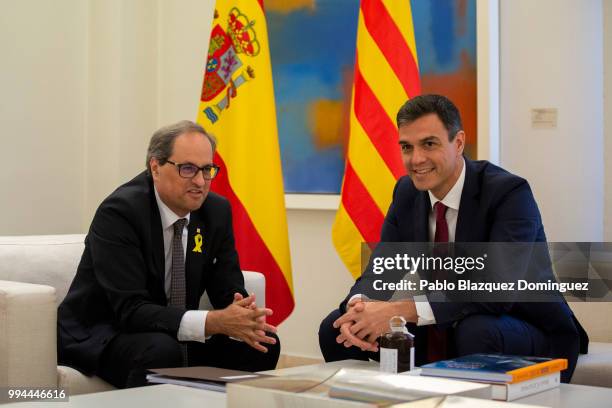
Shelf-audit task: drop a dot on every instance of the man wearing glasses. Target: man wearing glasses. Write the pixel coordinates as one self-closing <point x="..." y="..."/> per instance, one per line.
<point x="154" y="246"/>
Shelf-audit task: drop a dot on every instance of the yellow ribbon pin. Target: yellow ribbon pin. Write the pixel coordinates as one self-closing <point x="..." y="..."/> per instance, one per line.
<point x="198" y="242"/>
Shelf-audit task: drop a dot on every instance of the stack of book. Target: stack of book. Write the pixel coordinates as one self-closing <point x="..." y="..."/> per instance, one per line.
<point x="511" y="377"/>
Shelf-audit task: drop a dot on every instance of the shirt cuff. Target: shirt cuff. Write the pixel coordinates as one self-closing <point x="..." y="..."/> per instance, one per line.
<point x="193" y="326"/>
<point x="358" y="295"/>
<point x="425" y="314"/>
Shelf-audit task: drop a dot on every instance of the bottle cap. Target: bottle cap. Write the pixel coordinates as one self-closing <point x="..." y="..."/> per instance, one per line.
<point x="398" y="324"/>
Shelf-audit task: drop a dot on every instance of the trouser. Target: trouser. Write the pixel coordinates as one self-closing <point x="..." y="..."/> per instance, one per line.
<point x="127" y="357"/>
<point x="475" y="334"/>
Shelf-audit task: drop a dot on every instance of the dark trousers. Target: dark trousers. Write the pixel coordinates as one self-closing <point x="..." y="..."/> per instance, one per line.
<point x="127" y="357"/>
<point x="474" y="334"/>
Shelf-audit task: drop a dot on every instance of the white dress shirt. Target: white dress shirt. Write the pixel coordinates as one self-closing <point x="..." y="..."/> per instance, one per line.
<point x="452" y="201"/>
<point x="193" y="322"/>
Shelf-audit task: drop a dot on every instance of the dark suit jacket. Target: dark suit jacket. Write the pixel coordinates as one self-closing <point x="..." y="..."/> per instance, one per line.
<point x="496" y="206"/>
<point x="119" y="284"/>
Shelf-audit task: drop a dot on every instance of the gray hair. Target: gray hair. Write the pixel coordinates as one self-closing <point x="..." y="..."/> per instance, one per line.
<point x="162" y="141"/>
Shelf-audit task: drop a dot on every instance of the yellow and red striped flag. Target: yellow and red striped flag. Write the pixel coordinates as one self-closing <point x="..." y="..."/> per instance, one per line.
<point x="386" y="76"/>
<point x="237" y="106"/>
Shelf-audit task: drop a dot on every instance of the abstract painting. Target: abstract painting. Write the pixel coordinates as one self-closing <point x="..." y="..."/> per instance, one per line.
<point x="312" y="46"/>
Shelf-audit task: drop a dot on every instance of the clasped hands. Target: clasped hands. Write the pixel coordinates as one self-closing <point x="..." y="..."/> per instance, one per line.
<point x="365" y="321"/>
<point x="242" y="320"/>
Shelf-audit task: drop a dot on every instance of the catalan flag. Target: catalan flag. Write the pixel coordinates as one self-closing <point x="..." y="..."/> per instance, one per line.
<point x="237" y="106"/>
<point x="386" y="76"/>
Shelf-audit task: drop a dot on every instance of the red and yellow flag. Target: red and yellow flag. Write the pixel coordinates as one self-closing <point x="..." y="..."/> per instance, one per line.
<point x="386" y="76"/>
<point x="237" y="106"/>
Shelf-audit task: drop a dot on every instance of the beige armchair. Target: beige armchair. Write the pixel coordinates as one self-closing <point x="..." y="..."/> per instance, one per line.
<point x="35" y="274"/>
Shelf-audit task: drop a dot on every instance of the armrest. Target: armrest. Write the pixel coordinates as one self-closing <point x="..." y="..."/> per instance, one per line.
<point x="254" y="282"/>
<point x="28" y="344"/>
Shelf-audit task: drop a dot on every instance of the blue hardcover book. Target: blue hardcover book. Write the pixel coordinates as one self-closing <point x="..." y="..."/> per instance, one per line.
<point x="495" y="368"/>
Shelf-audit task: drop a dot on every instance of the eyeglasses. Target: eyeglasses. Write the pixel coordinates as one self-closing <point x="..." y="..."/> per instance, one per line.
<point x="188" y="170"/>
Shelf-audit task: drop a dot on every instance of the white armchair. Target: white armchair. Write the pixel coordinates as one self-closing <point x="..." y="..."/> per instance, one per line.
<point x="35" y="274"/>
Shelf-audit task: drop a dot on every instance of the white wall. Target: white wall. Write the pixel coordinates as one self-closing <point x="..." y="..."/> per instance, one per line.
<point x="320" y="280"/>
<point x="552" y="57"/>
<point x="145" y="66"/>
<point x="80" y="87"/>
<point x="43" y="79"/>
<point x="184" y="30"/>
<point x="123" y="94"/>
<point x="607" y="13"/>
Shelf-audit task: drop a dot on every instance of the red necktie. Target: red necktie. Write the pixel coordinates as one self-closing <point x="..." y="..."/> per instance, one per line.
<point x="436" y="349"/>
<point x="441" y="225"/>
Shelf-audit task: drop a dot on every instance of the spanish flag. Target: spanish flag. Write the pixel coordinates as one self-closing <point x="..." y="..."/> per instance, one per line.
<point x="237" y="106"/>
<point x="386" y="76"/>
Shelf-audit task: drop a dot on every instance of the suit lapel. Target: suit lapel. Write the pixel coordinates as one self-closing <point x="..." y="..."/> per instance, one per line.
<point x="468" y="207"/>
<point x="157" y="239"/>
<point x="195" y="255"/>
<point x="422" y="207"/>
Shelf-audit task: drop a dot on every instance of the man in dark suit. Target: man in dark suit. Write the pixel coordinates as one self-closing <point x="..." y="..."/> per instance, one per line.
<point x="155" y="245"/>
<point x="449" y="198"/>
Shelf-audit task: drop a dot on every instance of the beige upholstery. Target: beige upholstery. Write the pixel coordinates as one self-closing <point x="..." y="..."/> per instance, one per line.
<point x="76" y="383"/>
<point x="595" y="368"/>
<point x="43" y="259"/>
<point x="35" y="274"/>
<point x="27" y="323"/>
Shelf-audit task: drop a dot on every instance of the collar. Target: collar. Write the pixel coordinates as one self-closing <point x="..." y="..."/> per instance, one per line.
<point x="168" y="217"/>
<point x="453" y="197"/>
